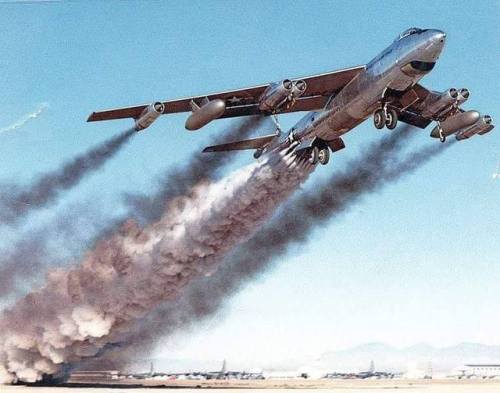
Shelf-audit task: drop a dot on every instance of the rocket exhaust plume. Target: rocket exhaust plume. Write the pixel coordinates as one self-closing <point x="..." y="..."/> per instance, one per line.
<point x="82" y="310"/>
<point x="16" y="202"/>
<point x="57" y="242"/>
<point x="369" y="173"/>
<point x="31" y="253"/>
<point x="200" y="167"/>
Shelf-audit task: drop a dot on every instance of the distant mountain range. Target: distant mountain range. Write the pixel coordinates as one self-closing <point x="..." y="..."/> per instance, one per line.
<point x="389" y="358"/>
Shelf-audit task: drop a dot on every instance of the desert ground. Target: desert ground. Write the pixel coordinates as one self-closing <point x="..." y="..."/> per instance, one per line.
<point x="338" y="386"/>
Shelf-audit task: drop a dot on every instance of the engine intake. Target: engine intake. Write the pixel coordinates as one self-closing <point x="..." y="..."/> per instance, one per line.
<point x="276" y="95"/>
<point x="463" y="95"/>
<point x="299" y="88"/>
<point x="149" y="115"/>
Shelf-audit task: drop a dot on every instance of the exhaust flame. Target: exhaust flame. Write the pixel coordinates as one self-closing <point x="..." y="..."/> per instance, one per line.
<point x="82" y="310"/>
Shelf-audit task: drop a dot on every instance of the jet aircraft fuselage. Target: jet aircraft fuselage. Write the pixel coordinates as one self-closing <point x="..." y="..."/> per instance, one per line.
<point x="398" y="67"/>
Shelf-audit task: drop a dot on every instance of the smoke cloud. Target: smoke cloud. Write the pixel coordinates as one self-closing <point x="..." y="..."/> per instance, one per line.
<point x="16" y="202"/>
<point x="25" y="262"/>
<point x="376" y="167"/>
<point x="201" y="167"/>
<point x="25" y="119"/>
<point x="57" y="242"/>
<point x="82" y="310"/>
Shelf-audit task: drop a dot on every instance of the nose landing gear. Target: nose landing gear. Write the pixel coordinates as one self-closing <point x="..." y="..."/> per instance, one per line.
<point x="387" y="117"/>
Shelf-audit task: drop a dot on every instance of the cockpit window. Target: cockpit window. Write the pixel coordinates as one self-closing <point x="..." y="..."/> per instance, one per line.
<point x="410" y="31"/>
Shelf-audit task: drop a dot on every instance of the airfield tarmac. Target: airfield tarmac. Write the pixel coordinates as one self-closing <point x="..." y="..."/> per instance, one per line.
<point x="338" y="386"/>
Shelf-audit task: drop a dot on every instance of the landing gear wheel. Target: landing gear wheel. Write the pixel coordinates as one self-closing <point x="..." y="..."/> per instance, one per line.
<point x="313" y="155"/>
<point x="392" y="119"/>
<point x="442" y="137"/>
<point x="324" y="156"/>
<point x="379" y="119"/>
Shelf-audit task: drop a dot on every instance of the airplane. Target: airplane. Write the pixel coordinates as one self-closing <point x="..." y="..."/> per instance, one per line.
<point x="386" y="88"/>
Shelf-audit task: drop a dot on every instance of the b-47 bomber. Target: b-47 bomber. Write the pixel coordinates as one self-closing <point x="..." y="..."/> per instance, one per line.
<point x="386" y="89"/>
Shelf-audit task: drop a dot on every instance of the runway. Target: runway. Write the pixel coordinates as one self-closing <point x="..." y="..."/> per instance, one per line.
<point x="339" y="386"/>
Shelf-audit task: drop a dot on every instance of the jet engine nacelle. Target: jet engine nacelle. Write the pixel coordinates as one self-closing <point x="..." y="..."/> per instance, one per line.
<point x="276" y="95"/>
<point x="203" y="115"/>
<point x="299" y="88"/>
<point x="445" y="101"/>
<point x="149" y="115"/>
<point x="455" y="123"/>
<point x="481" y="127"/>
<point x="463" y="95"/>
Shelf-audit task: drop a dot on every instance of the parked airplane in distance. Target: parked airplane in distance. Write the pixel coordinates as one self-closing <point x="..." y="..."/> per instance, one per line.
<point x="386" y="88"/>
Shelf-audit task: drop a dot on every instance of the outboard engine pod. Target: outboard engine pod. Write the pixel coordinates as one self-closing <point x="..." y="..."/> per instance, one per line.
<point x="149" y="115"/>
<point x="481" y="127"/>
<point x="455" y="123"/>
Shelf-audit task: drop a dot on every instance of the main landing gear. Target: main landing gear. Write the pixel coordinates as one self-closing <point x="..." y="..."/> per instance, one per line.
<point x="387" y="117"/>
<point x="442" y="136"/>
<point x="318" y="154"/>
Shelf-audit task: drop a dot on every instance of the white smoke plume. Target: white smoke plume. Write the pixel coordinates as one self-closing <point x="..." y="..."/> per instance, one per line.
<point x="496" y="174"/>
<point x="81" y="311"/>
<point x="26" y="118"/>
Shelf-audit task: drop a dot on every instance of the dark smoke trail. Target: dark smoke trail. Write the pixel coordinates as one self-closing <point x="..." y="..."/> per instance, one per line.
<point x="82" y="310"/>
<point x="375" y="168"/>
<point x="16" y="202"/>
<point x="30" y="256"/>
<point x="199" y="168"/>
<point x="55" y="243"/>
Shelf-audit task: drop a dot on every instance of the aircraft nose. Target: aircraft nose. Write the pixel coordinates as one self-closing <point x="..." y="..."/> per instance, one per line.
<point x="435" y="40"/>
<point x="439" y="36"/>
<point x="436" y="37"/>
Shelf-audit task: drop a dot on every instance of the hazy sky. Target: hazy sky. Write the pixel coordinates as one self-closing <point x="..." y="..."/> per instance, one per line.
<point x="417" y="262"/>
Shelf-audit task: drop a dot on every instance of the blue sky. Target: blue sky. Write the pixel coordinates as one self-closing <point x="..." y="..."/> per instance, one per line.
<point x="417" y="262"/>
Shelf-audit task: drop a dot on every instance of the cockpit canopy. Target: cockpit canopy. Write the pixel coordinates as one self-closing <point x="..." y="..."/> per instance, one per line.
<point x="410" y="31"/>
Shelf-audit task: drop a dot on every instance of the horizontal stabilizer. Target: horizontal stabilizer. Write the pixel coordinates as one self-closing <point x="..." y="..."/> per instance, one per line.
<point x="254" y="143"/>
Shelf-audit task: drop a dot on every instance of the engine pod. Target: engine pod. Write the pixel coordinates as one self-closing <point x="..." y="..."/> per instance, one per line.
<point x="202" y="116"/>
<point x="445" y="100"/>
<point x="481" y="127"/>
<point x="149" y="115"/>
<point x="454" y="123"/>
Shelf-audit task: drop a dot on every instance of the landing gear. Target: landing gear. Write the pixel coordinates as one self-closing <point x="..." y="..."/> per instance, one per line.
<point x="324" y="155"/>
<point x="442" y="137"/>
<point x="313" y="155"/>
<point x="385" y="117"/>
<point x="379" y="119"/>
<point x="391" y="120"/>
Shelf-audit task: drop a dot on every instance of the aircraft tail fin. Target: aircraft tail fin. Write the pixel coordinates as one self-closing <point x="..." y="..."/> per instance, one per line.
<point x="246" y="144"/>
